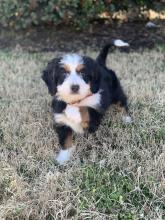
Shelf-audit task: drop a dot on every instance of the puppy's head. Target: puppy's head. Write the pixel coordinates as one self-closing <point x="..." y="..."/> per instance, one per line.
<point x="72" y="77"/>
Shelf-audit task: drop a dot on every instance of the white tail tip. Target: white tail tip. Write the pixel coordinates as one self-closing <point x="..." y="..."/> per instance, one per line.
<point x="120" y="43"/>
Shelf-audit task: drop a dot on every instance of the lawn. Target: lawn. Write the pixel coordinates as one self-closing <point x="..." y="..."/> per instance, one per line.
<point x="117" y="173"/>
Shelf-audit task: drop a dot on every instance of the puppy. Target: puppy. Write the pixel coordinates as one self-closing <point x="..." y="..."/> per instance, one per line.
<point x="82" y="90"/>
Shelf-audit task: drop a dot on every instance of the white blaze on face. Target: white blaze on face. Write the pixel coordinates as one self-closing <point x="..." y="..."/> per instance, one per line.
<point x="72" y="61"/>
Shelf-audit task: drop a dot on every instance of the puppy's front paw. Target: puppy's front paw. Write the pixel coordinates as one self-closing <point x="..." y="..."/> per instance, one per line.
<point x="72" y="112"/>
<point x="64" y="156"/>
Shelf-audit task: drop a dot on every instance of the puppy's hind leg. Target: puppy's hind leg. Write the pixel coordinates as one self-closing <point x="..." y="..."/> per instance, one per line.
<point x="122" y="106"/>
<point x="126" y="118"/>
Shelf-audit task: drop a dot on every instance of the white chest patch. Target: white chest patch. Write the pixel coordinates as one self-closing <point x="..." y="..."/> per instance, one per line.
<point x="61" y="118"/>
<point x="92" y="101"/>
<point x="73" y="113"/>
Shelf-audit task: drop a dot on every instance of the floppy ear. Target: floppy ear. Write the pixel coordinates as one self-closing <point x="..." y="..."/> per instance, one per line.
<point x="93" y="71"/>
<point x="50" y="75"/>
<point x="95" y="81"/>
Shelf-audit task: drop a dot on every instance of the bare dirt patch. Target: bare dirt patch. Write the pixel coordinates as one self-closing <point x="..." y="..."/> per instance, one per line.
<point x="117" y="173"/>
<point x="67" y="39"/>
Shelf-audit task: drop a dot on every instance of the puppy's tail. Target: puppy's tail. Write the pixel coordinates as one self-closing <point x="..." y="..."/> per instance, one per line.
<point x="101" y="58"/>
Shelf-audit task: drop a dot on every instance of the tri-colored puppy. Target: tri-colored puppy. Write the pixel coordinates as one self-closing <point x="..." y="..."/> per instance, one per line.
<point x="82" y="90"/>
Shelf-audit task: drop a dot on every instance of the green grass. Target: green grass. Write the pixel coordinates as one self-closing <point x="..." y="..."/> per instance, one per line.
<point x="161" y="47"/>
<point x="113" y="191"/>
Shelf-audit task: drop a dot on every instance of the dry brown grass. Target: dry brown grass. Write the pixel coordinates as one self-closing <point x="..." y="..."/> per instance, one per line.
<point x="33" y="187"/>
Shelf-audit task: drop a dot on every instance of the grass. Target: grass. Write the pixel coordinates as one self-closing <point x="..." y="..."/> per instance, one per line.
<point x="161" y="47"/>
<point x="117" y="173"/>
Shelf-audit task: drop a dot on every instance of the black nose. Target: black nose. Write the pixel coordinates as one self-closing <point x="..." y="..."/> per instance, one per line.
<point x="75" y="88"/>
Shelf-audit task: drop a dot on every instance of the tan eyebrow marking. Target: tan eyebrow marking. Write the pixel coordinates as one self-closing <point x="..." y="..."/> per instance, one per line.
<point x="67" y="68"/>
<point x="79" y="67"/>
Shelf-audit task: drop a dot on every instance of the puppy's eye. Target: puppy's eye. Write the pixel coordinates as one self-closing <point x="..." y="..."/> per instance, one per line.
<point x="66" y="69"/>
<point x="79" y="71"/>
<point x="66" y="72"/>
<point x="80" y="68"/>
